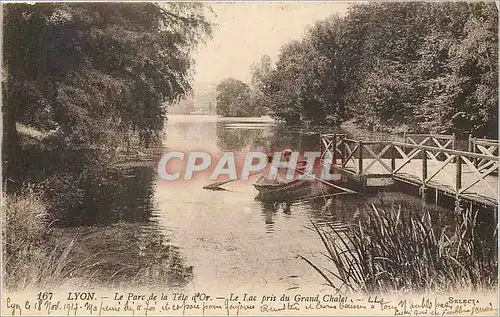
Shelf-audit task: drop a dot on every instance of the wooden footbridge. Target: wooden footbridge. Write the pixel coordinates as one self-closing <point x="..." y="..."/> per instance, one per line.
<point x="428" y="162"/>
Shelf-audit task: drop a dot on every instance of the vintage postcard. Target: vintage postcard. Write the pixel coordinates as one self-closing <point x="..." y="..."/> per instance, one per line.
<point x="249" y="158"/>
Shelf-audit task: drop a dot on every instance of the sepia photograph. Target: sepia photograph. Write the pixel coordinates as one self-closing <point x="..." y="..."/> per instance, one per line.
<point x="261" y="158"/>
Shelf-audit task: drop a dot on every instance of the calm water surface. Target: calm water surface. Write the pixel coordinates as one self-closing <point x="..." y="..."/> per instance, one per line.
<point x="151" y="233"/>
<point x="232" y="240"/>
<point x="147" y="232"/>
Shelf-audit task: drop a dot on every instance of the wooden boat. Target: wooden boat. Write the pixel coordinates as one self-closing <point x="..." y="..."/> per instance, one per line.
<point x="274" y="190"/>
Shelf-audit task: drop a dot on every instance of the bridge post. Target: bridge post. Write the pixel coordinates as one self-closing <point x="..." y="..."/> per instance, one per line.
<point x="393" y="158"/>
<point x="424" y="175"/>
<point x="334" y="155"/>
<point x="342" y="150"/>
<point x="473" y="148"/>
<point x="453" y="143"/>
<point x="360" y="162"/>
<point x="321" y="145"/>
<point x="458" y="182"/>
<point x="424" y="166"/>
<point x="362" y="178"/>
<point x="404" y="141"/>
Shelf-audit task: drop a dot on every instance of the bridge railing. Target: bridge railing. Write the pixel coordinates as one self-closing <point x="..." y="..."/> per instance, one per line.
<point x="378" y="158"/>
<point x="440" y="164"/>
<point x="442" y="141"/>
<point x="434" y="140"/>
<point x="483" y="146"/>
<point x="330" y="145"/>
<point x="354" y="153"/>
<point x="379" y="154"/>
<point x="460" y="162"/>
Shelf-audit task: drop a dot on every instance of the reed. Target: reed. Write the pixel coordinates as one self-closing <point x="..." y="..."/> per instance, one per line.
<point x="388" y="250"/>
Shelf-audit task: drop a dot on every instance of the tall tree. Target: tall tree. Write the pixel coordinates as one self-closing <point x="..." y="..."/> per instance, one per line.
<point x="460" y="72"/>
<point x="428" y="67"/>
<point x="259" y="72"/>
<point x="306" y="86"/>
<point x="89" y="70"/>
<point x="234" y="99"/>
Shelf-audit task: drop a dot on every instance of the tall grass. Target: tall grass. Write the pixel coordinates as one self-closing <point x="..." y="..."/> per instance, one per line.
<point x="388" y="250"/>
<point x="27" y="261"/>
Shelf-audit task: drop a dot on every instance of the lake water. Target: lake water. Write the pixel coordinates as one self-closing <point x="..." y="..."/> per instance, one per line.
<point x="232" y="240"/>
<point x="149" y="232"/>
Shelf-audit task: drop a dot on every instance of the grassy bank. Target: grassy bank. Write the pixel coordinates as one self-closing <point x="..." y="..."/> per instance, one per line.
<point x="27" y="259"/>
<point x="39" y="254"/>
<point x="393" y="250"/>
<point x="68" y="206"/>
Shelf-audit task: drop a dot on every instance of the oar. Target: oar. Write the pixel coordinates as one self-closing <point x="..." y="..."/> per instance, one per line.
<point x="329" y="184"/>
<point x="307" y="197"/>
<point x="216" y="186"/>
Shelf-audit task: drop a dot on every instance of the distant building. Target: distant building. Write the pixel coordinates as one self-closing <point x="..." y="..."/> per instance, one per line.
<point x="201" y="101"/>
<point x="204" y="95"/>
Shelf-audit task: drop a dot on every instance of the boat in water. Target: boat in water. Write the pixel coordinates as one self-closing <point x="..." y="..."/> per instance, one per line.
<point x="275" y="190"/>
<point x="300" y="187"/>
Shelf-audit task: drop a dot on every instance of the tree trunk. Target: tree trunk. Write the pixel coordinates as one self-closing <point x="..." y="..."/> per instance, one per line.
<point x="10" y="141"/>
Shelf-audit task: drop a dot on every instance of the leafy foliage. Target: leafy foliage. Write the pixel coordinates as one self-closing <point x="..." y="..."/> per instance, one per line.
<point x="234" y="99"/>
<point x="259" y="73"/>
<point x="305" y="86"/>
<point x="429" y="66"/>
<point x="88" y="71"/>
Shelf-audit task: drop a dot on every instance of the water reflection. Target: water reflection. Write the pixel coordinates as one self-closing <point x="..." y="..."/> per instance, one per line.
<point x="131" y="192"/>
<point x="259" y="137"/>
<point x="241" y="137"/>
<point x="119" y="241"/>
<point x="191" y="133"/>
<point x="283" y="137"/>
<point x="270" y="210"/>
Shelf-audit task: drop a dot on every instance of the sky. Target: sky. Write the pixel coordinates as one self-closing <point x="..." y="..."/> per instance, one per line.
<point x="247" y="30"/>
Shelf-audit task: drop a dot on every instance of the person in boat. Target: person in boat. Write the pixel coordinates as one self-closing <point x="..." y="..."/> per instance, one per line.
<point x="286" y="154"/>
<point x="281" y="175"/>
<point x="285" y="206"/>
<point x="282" y="171"/>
